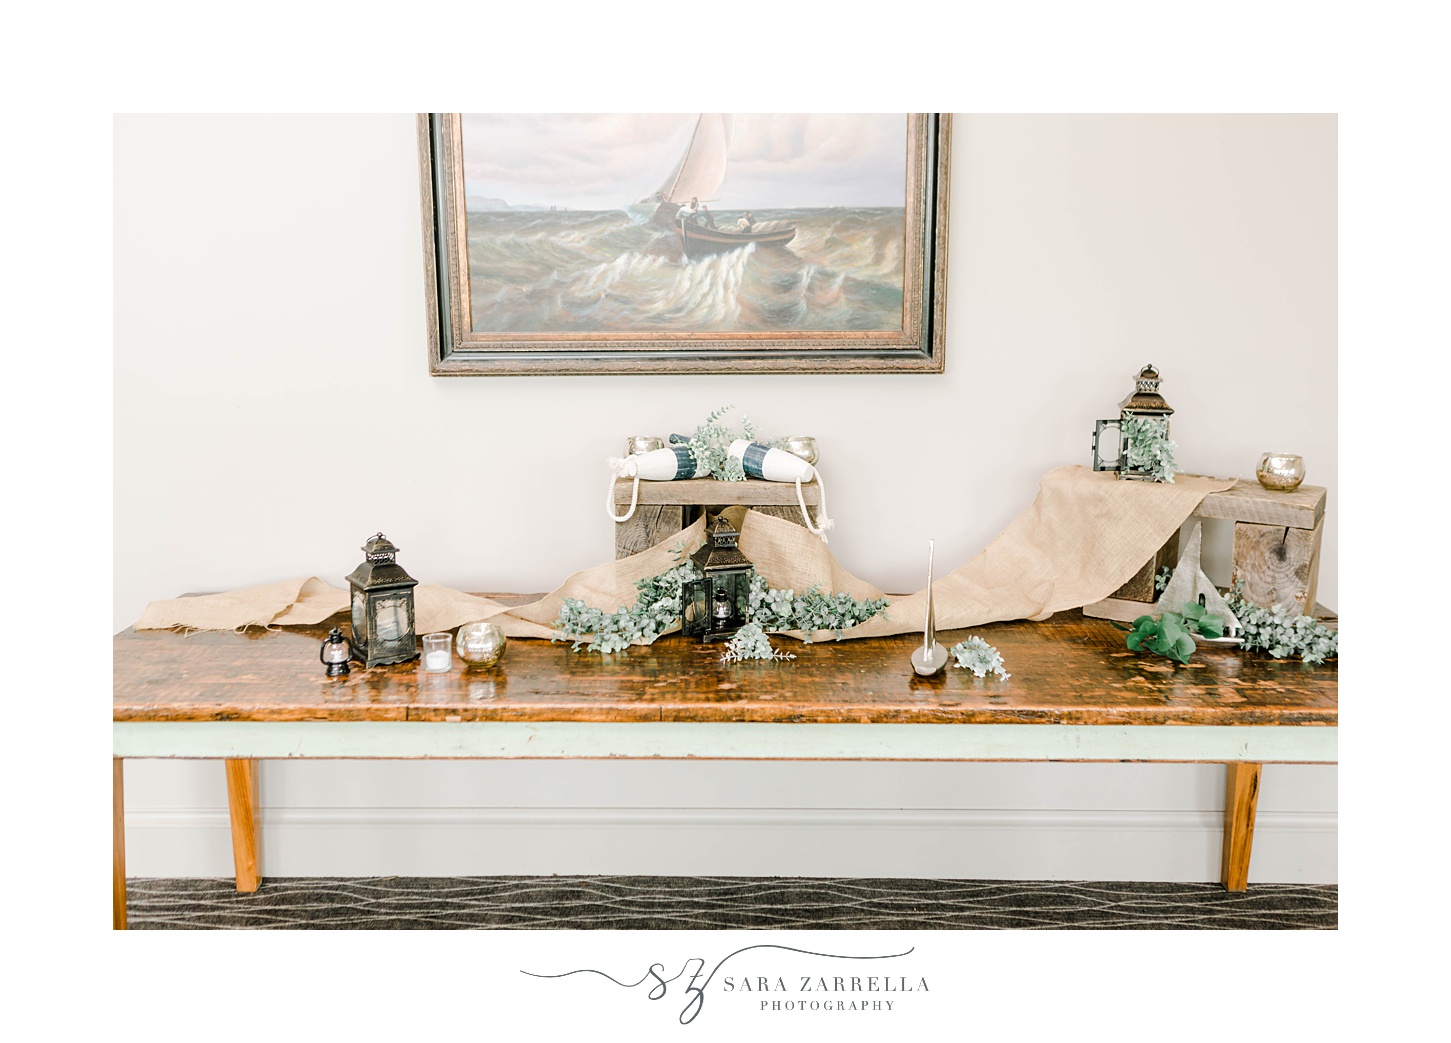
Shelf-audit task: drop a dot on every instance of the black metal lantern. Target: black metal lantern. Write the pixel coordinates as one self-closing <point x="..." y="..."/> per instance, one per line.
<point x="715" y="606"/>
<point x="335" y="652"/>
<point x="382" y="606"/>
<point x="1110" y="437"/>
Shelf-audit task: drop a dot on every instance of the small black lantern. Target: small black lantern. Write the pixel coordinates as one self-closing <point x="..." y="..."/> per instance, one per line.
<point x="1110" y="436"/>
<point x="715" y="606"/>
<point x="335" y="652"/>
<point x="382" y="606"/>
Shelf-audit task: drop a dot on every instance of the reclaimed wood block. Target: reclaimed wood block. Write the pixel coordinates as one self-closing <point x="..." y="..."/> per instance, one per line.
<point x="650" y="524"/>
<point x="1278" y="564"/>
<point x="1248" y="501"/>
<point x="1141" y="587"/>
<point x="664" y="508"/>
<point x="1267" y="524"/>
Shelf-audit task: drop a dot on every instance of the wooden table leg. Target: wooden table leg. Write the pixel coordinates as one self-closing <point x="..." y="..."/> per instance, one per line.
<point x="118" y="847"/>
<point x="242" y="800"/>
<point x="1241" y="794"/>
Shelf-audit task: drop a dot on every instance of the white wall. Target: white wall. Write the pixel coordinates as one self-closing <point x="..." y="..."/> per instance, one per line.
<point x="269" y="283"/>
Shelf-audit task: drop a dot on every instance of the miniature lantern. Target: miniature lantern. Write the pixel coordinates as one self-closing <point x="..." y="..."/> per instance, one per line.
<point x="382" y="606"/>
<point x="1145" y="402"/>
<point x="335" y="652"/>
<point x="714" y="608"/>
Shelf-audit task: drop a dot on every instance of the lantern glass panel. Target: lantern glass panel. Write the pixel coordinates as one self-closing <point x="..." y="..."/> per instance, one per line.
<point x="693" y="618"/>
<point x="1107" y="445"/>
<point x="360" y="618"/>
<point x="389" y="620"/>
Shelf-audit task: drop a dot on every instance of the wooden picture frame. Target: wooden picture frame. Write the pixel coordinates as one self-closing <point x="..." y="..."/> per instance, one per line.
<point x="480" y="324"/>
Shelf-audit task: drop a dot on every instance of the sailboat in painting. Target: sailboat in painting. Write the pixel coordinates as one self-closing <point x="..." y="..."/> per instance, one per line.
<point x="699" y="176"/>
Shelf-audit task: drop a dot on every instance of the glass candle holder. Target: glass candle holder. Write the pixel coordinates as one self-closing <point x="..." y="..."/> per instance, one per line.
<point x="643" y="444"/>
<point x="438" y="653"/>
<point x="481" y="645"/>
<point x="1281" y="472"/>
<point x="803" y="446"/>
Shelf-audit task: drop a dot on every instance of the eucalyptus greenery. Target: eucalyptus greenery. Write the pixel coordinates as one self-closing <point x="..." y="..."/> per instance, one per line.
<point x="977" y="655"/>
<point x="658" y="606"/>
<point x="1149" y="448"/>
<point x="655" y="609"/>
<point x="1172" y="634"/>
<point x="1161" y="581"/>
<point x="751" y="642"/>
<point x="1281" y="633"/>
<point x="711" y="441"/>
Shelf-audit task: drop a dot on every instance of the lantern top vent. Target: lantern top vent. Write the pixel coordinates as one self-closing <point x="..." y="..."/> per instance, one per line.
<point x="1146" y="400"/>
<point x="721" y="551"/>
<point x="379" y="569"/>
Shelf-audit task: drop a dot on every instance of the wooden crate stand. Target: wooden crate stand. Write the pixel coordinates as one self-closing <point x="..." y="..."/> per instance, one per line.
<point x="1276" y="549"/>
<point x="665" y="508"/>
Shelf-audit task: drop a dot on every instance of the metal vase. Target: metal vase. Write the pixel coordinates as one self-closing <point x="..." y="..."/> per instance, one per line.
<point x="931" y="657"/>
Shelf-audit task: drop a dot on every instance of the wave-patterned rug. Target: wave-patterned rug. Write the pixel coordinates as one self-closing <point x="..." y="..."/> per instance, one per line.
<point x="710" y="903"/>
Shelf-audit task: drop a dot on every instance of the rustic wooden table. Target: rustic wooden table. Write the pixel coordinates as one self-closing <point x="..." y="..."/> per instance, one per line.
<point x="1076" y="694"/>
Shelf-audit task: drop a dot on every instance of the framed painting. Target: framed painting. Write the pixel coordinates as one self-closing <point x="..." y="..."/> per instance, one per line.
<point x="684" y="242"/>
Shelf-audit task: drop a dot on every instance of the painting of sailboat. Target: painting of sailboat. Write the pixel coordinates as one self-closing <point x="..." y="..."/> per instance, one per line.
<point x="683" y="232"/>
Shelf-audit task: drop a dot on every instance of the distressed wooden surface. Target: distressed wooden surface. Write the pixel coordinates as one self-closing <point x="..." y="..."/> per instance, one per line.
<point x="1241" y="797"/>
<point x="1067" y="670"/>
<point x="650" y="524"/>
<point x="708" y="491"/>
<point x="1249" y="501"/>
<point x="1279" y="564"/>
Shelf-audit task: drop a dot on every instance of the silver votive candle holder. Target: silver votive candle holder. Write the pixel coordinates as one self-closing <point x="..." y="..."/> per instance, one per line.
<point x="1281" y="472"/>
<point x="803" y="446"/>
<point x="643" y="444"/>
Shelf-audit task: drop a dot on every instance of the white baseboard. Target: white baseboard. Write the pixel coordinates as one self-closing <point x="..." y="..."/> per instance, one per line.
<point x="1289" y="847"/>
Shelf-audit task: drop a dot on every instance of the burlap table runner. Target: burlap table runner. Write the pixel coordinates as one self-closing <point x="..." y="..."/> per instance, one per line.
<point x="1084" y="535"/>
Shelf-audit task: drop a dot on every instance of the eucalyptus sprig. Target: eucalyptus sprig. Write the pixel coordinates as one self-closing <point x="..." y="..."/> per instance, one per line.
<point x="1281" y="632"/>
<point x="751" y="642"/>
<point x="1148" y="447"/>
<point x="710" y="444"/>
<point x="1172" y="634"/>
<point x="977" y="655"/>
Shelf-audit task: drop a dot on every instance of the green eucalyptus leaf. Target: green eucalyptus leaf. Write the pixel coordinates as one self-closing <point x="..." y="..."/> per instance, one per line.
<point x="1193" y="610"/>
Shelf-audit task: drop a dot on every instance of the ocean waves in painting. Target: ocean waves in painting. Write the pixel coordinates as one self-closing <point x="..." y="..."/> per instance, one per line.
<point x="605" y="272"/>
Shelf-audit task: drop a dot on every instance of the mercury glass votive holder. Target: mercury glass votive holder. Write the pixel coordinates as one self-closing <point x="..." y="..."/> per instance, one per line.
<point x="643" y="444"/>
<point x="481" y="644"/>
<point x="1281" y="472"/>
<point x="803" y="446"/>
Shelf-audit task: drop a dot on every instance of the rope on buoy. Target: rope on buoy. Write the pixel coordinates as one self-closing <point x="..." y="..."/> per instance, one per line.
<point x="626" y="468"/>
<point x="822" y="521"/>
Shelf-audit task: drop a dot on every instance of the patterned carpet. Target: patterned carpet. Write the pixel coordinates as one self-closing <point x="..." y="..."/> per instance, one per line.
<point x="707" y="903"/>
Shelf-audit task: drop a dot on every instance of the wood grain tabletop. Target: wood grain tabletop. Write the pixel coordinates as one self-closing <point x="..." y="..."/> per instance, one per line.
<point x="1066" y="670"/>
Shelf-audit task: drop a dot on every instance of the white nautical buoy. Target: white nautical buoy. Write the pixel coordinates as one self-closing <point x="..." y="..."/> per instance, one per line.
<point x="666" y="465"/>
<point x="777" y="465"/>
<point x="774" y="465"/>
<point x="658" y="465"/>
